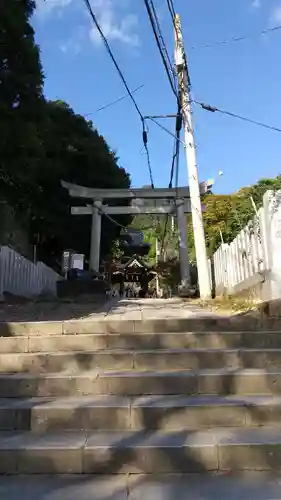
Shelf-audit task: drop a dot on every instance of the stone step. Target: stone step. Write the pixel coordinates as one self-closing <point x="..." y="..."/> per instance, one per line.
<point x="134" y="382"/>
<point x="252" y="485"/>
<point x="235" y="449"/>
<point x="159" y="359"/>
<point x="109" y="325"/>
<point x="93" y="342"/>
<point x="166" y="413"/>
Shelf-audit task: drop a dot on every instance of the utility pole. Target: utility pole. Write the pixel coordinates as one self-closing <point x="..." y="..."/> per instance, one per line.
<point x="196" y="209"/>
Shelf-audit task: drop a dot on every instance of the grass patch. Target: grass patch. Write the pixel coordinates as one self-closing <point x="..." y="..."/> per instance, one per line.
<point x="227" y="304"/>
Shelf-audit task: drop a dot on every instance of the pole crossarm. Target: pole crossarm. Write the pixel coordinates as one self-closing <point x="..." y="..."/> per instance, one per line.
<point x="99" y="194"/>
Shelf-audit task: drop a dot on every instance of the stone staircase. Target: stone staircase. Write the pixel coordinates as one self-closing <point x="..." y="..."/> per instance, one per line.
<point x="158" y="396"/>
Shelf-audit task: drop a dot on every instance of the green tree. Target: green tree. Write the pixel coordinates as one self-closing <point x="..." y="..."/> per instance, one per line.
<point x="21" y="80"/>
<point x="43" y="142"/>
<point x="224" y="217"/>
<point x="227" y="215"/>
<point x="74" y="152"/>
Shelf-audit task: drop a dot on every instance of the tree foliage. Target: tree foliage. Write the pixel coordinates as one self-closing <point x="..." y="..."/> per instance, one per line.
<point x="21" y="81"/>
<point x="74" y="152"/>
<point x="224" y="217"/>
<point x="227" y="215"/>
<point x="44" y="142"/>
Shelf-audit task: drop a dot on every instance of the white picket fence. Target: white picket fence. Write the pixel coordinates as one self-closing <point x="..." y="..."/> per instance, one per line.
<point x="248" y="261"/>
<point x="19" y="276"/>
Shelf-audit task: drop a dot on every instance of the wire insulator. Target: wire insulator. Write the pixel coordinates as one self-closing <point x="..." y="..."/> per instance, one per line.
<point x="208" y="107"/>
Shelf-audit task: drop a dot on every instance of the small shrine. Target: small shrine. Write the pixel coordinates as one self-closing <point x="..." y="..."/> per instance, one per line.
<point x="134" y="270"/>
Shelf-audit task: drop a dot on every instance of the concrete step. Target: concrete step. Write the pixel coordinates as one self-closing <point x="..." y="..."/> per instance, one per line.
<point x="164" y="413"/>
<point x="111" y="325"/>
<point x="159" y="359"/>
<point x="134" y="382"/>
<point x="253" y="485"/>
<point x="234" y="449"/>
<point x="143" y="341"/>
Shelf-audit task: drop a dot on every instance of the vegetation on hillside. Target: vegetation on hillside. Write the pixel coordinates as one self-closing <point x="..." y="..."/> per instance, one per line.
<point x="42" y="142"/>
<point x="224" y="217"/>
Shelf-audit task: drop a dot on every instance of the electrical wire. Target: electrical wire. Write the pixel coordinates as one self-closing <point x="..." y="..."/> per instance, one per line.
<point x="107" y="46"/>
<point x="163" y="50"/>
<point x="172" y="80"/>
<point x="164" y="47"/>
<point x="175" y="159"/>
<point x="174" y="167"/>
<point x="88" y="5"/>
<point x="171" y="9"/>
<point x="237" y="38"/>
<point x="163" y="128"/>
<point x="213" y="109"/>
<point x="114" y="102"/>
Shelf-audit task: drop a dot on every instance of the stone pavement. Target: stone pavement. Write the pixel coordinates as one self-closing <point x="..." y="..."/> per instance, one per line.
<point x="144" y="309"/>
<point x="125" y="309"/>
<point x="251" y="486"/>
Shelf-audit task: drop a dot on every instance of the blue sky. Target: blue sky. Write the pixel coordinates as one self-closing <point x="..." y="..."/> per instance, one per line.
<point x="240" y="77"/>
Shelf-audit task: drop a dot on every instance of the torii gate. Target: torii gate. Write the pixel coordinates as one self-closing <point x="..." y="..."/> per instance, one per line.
<point x="182" y="205"/>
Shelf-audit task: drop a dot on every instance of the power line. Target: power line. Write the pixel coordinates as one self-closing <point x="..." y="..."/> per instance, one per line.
<point x="237" y="38"/>
<point x="156" y="28"/>
<point x="163" y="128"/>
<point x="144" y="132"/>
<point x="169" y="70"/>
<point x="163" y="50"/>
<point x="174" y="167"/>
<point x="114" y="102"/>
<point x="164" y="47"/>
<point x="213" y="109"/>
<point x="88" y="5"/>
<point x="171" y="9"/>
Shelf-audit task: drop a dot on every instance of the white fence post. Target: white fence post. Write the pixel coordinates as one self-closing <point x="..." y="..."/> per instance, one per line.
<point x="272" y="233"/>
<point x="220" y="269"/>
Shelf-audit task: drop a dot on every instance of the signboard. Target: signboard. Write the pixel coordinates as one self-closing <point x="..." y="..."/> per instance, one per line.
<point x="65" y="261"/>
<point x="77" y="261"/>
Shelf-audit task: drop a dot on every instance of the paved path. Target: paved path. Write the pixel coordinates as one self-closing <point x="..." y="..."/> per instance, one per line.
<point x="133" y="309"/>
<point x="137" y="309"/>
<point x="254" y="486"/>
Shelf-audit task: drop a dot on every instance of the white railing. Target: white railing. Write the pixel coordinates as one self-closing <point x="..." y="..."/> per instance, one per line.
<point x="253" y="258"/>
<point x="19" y="276"/>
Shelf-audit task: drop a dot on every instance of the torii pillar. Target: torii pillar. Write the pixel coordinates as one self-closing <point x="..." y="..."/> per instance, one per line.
<point x="95" y="237"/>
